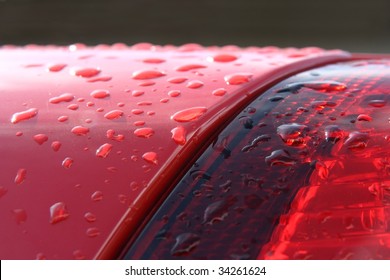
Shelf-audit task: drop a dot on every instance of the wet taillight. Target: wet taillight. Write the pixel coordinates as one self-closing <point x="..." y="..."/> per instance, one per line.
<point x="302" y="173"/>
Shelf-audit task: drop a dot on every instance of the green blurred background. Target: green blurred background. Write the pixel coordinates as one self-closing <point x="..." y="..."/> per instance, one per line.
<point x="354" y="25"/>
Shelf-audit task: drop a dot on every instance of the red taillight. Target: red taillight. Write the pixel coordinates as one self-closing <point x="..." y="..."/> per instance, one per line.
<point x="303" y="172"/>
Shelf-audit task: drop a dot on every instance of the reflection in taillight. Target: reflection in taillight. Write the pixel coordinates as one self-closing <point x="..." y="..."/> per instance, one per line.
<point x="301" y="173"/>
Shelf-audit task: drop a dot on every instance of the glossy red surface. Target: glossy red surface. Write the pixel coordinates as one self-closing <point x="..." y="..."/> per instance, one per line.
<point x="93" y="137"/>
<point x="301" y="173"/>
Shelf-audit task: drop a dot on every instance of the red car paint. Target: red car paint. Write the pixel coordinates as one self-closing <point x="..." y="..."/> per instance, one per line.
<point x="92" y="138"/>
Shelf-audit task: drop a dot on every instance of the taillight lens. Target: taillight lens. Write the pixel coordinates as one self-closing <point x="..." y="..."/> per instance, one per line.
<point x="303" y="172"/>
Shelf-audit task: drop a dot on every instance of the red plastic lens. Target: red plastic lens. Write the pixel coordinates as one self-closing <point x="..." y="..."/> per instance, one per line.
<point x="303" y="172"/>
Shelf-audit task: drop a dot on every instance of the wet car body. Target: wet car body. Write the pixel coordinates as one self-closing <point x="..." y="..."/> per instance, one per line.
<point x="102" y="152"/>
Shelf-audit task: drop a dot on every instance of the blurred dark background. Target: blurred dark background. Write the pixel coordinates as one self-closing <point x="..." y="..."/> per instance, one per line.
<point x="354" y="25"/>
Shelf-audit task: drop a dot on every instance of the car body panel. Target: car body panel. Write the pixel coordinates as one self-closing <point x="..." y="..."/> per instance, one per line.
<point x="86" y="133"/>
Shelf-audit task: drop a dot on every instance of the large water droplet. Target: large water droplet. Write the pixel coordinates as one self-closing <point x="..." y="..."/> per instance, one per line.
<point x="137" y="111"/>
<point x="89" y="217"/>
<point x="63" y="118"/>
<point x="238" y="78"/>
<point x="150" y="157"/>
<point x="189" y="67"/>
<point x="177" y="80"/>
<point x="100" y="79"/>
<point x="85" y="72"/>
<point x="73" y="107"/>
<point x="137" y="93"/>
<point x="185" y="243"/>
<point x="280" y="157"/>
<point x="24" y="115"/>
<point x="174" y="93"/>
<point x="56" y="145"/>
<point x="20" y="215"/>
<point x="179" y="135"/>
<point x="80" y="130"/>
<point x="56" y="67"/>
<point x="357" y="140"/>
<point x="333" y="133"/>
<point x="153" y="60"/>
<point x="147" y="74"/>
<point x="114" y="114"/>
<point x="194" y="84"/>
<point x="20" y="176"/>
<point x="217" y="211"/>
<point x="104" y="150"/>
<point x="111" y="135"/>
<point x="58" y="212"/>
<point x="293" y="134"/>
<point x="322" y="86"/>
<point x="224" y="58"/>
<point x="67" y="162"/>
<point x="100" y="93"/>
<point x="188" y="115"/>
<point x="377" y="103"/>
<point x="364" y="117"/>
<point x="97" y="196"/>
<point x="219" y="92"/>
<point x="93" y="232"/>
<point x="144" y="132"/>
<point x="40" y="138"/>
<point x="255" y="142"/>
<point x="65" y="97"/>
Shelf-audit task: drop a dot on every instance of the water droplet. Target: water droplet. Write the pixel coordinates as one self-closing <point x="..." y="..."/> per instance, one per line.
<point x="40" y="138"/>
<point x="219" y="92"/>
<point x="255" y="142"/>
<point x="100" y="93"/>
<point x="322" y="86"/>
<point x="114" y="114"/>
<point x="65" y="97"/>
<point x="139" y="123"/>
<point x="364" y="117"/>
<point x="144" y="132"/>
<point x="179" y="135"/>
<point x="63" y="118"/>
<point x="150" y="157"/>
<point x="78" y="255"/>
<point x="20" y="215"/>
<point x="80" y="130"/>
<point x="97" y="196"/>
<point x="280" y="158"/>
<point x="20" y="176"/>
<point x="189" y="67"/>
<point x="246" y="122"/>
<point x="56" y="145"/>
<point x="357" y="140"/>
<point x="137" y="93"/>
<point x="174" y="93"/>
<point x="58" y="213"/>
<point x="153" y="60"/>
<point x="93" y="232"/>
<point x="19" y="133"/>
<point x="41" y="256"/>
<point x="188" y="115"/>
<point x="194" y="84"/>
<point x="185" y="243"/>
<point x="3" y="191"/>
<point x="275" y="98"/>
<point x="67" y="162"/>
<point x="56" y="67"/>
<point x="85" y="72"/>
<point x="146" y="84"/>
<point x="104" y="150"/>
<point x="24" y="115"/>
<point x="333" y="133"/>
<point x="377" y="103"/>
<point x="144" y="103"/>
<point x="73" y="107"/>
<point x="238" y="78"/>
<point x="151" y="113"/>
<point x="293" y="134"/>
<point x="100" y="79"/>
<point x="89" y="217"/>
<point x="137" y="111"/>
<point x="224" y="58"/>
<point x="111" y="135"/>
<point x="177" y="80"/>
<point x="147" y="74"/>
<point x="217" y="211"/>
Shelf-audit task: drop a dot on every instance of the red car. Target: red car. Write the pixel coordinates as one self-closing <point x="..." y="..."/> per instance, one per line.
<point x="191" y="152"/>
